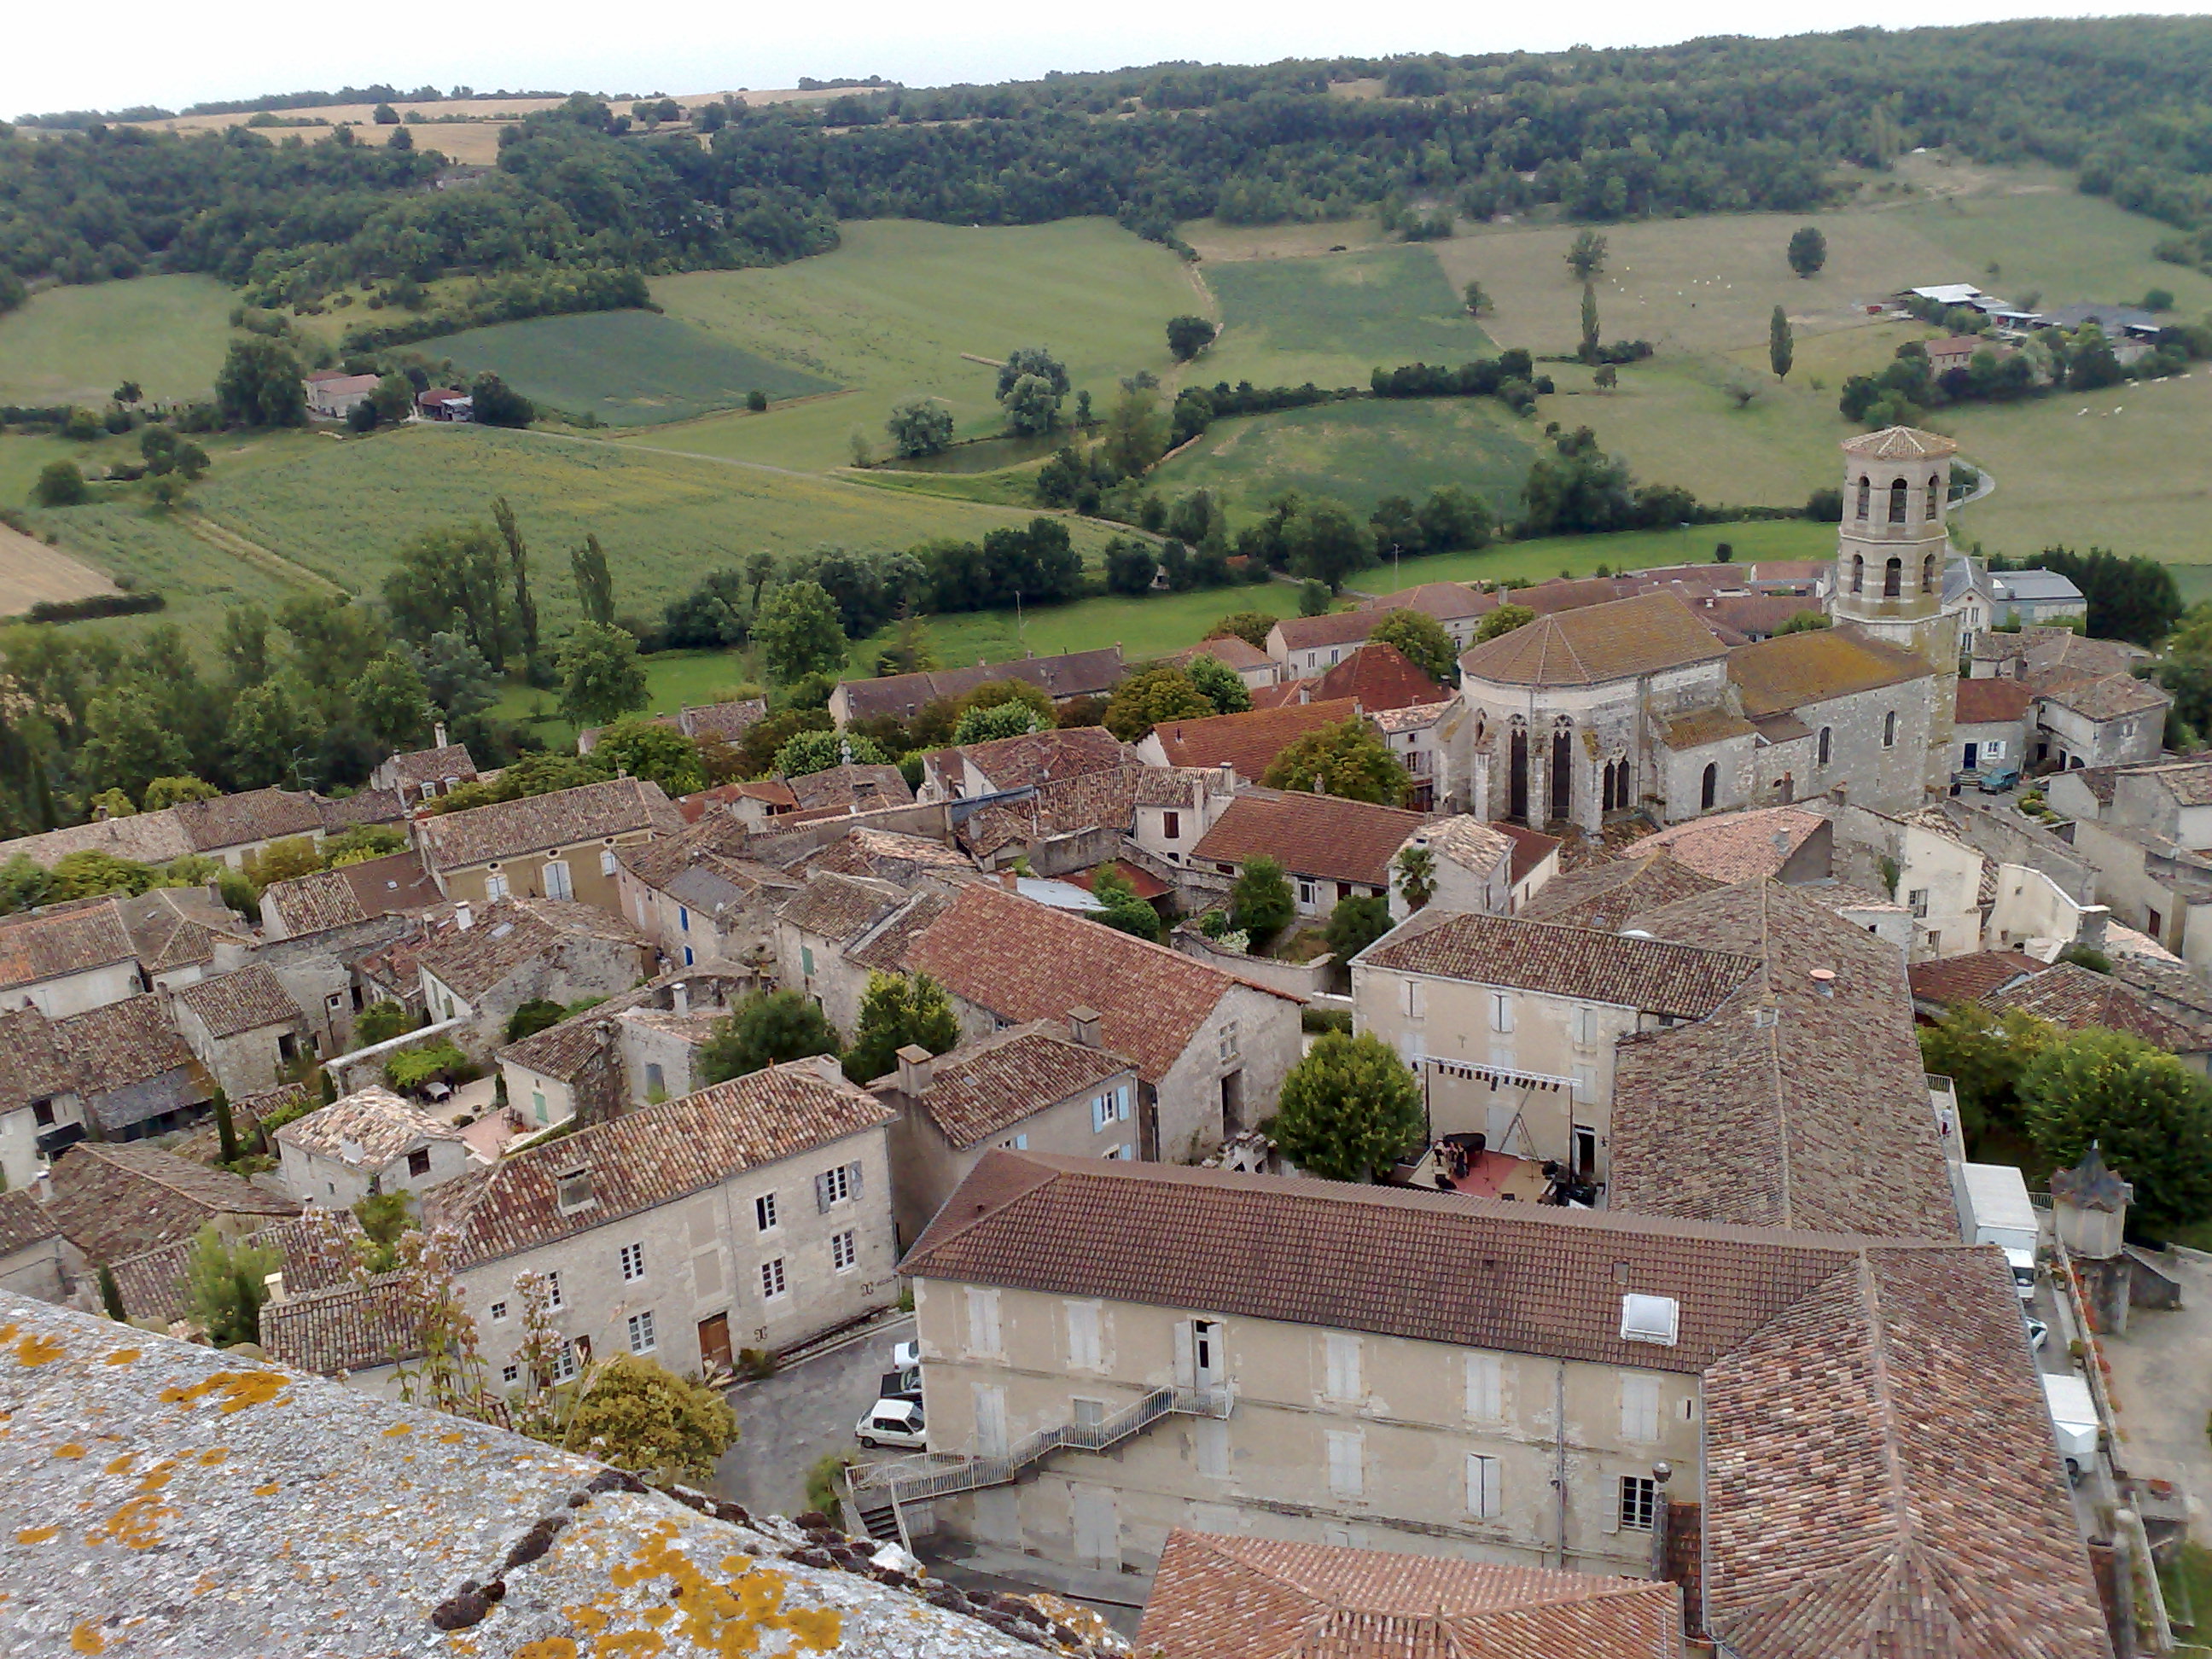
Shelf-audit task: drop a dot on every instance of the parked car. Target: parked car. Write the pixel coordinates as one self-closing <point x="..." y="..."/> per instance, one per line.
<point x="892" y="1423"/>
<point x="900" y="1385"/>
<point x="2038" y="1332"/>
<point x="906" y="1355"/>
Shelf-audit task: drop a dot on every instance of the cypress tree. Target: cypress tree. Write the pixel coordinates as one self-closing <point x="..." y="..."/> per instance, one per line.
<point x="111" y="1294"/>
<point x="1781" y="350"/>
<point x="225" y="1131"/>
<point x="1589" y="324"/>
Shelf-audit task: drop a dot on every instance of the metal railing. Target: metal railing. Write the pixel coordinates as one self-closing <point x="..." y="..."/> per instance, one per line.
<point x="917" y="1480"/>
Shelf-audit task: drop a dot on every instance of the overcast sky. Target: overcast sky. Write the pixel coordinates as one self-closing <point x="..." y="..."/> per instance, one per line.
<point x="134" y="51"/>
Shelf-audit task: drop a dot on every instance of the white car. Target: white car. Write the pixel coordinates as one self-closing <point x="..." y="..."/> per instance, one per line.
<point x="905" y="1356"/>
<point x="892" y="1423"/>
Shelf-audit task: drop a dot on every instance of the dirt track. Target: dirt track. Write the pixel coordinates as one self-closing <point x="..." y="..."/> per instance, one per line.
<point x="30" y="571"/>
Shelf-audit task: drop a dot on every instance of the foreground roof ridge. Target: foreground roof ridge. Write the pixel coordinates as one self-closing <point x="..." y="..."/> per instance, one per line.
<point x="1892" y="1470"/>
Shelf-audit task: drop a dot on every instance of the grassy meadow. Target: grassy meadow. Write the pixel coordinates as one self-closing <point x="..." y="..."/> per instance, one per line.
<point x="892" y="311"/>
<point x="76" y="345"/>
<point x="628" y="368"/>
<point x="1332" y="320"/>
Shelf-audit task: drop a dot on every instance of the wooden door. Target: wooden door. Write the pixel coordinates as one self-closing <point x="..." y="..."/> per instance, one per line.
<point x="714" y="1342"/>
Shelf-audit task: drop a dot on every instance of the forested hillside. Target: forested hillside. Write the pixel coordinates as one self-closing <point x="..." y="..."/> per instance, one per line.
<point x="1718" y="125"/>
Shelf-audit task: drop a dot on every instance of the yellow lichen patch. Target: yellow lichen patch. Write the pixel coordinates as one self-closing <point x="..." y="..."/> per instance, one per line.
<point x="137" y="1524"/>
<point x="37" y="1534"/>
<point x="551" y="1647"/>
<point x="121" y="1465"/>
<point x="639" y="1642"/>
<point x="238" y="1390"/>
<point x="121" y="1357"/>
<point x="69" y="1449"/>
<point x="726" y="1619"/>
<point x="397" y="1429"/>
<point x="36" y="1350"/>
<point x="214" y="1456"/>
<point x="452" y="1439"/>
<point x="87" y="1638"/>
<point x="8" y="1331"/>
<point x="268" y="1489"/>
<point x="586" y="1618"/>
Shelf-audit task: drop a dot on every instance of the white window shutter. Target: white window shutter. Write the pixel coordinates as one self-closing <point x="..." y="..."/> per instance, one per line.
<point x="1611" y="1523"/>
<point x="822" y="1194"/>
<point x="853" y="1170"/>
<point x="1186" y="1355"/>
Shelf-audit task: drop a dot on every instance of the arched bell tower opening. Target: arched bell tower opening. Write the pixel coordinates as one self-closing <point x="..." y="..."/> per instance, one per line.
<point x="1894" y="541"/>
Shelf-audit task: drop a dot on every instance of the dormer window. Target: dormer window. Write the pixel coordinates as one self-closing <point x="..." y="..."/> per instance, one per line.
<point x="573" y="1191"/>
<point x="1654" y="1319"/>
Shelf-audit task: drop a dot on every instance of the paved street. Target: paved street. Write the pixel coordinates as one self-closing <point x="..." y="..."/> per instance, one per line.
<point x="2161" y="1372"/>
<point x="804" y="1411"/>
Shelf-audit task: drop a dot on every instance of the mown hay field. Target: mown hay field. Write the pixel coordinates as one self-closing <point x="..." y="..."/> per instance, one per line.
<point x="627" y="367"/>
<point x="891" y="312"/>
<point x="76" y="345"/>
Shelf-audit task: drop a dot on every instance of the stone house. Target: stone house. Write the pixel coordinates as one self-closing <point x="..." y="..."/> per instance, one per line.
<point x="229" y="827"/>
<point x="1788" y="844"/>
<point x="1942" y="879"/>
<point x="368" y="1142"/>
<point x="631" y="1050"/>
<point x="1331" y="848"/>
<point x="481" y="968"/>
<point x="1988" y="726"/>
<point x="813" y="932"/>
<point x="333" y="395"/>
<point x="701" y="896"/>
<point x="2089" y="708"/>
<point x="1211" y="1049"/>
<point x="1983" y="598"/>
<point x="1512" y="1026"/>
<point x="1428" y="739"/>
<point x="1376" y="676"/>
<point x="118" y="1072"/>
<point x="243" y="1026"/>
<point x="1254" y="666"/>
<point x="1304" y="646"/>
<point x="1174" y="806"/>
<point x="114" y="1202"/>
<point x="1458" y="607"/>
<point x="1042" y="1086"/>
<point x="855" y="786"/>
<point x="1004" y="763"/>
<point x="557" y="846"/>
<point x="1060" y="827"/>
<point x="333" y="900"/>
<point x="1246" y="745"/>
<point x="1472" y="863"/>
<point x="35" y="1260"/>
<point x="63" y="961"/>
<point x="2148" y="830"/>
<point x="901" y="697"/>
<point x="1301" y="1361"/>
<point x="421" y="774"/>
<point x="756" y="1213"/>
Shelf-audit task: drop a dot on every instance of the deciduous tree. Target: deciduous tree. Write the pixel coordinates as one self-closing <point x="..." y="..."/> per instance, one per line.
<point x="1259" y="903"/>
<point x="1349" y="1108"/>
<point x="639" y="1416"/>
<point x="1985" y="1055"/>
<point x="1150" y="695"/>
<point x="799" y="632"/>
<point x="1189" y="336"/>
<point x="260" y="385"/>
<point x="659" y="754"/>
<point x="59" y="484"/>
<point x="1220" y="684"/>
<point x="921" y="426"/>
<point x="1006" y="720"/>
<point x="1424" y="642"/>
<point x="1355" y="924"/>
<point x="1347" y="759"/>
<point x="1585" y="256"/>
<point x="1503" y="620"/>
<point x="595" y="583"/>
<point x="1130" y="566"/>
<point x="1808" y="250"/>
<point x="389" y="699"/>
<point x="767" y="1030"/>
<point x="601" y="677"/>
<point x="1124" y="911"/>
<point x="2150" y="1113"/>
<point x="1252" y="627"/>
<point x="807" y="752"/>
<point x="896" y="1011"/>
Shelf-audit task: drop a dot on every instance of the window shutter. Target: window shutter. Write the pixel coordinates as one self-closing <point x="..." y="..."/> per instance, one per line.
<point x="1613" y="1511"/>
<point x="854" y="1171"/>
<point x="1121" y="1102"/>
<point x="822" y="1193"/>
<point x="1186" y="1355"/>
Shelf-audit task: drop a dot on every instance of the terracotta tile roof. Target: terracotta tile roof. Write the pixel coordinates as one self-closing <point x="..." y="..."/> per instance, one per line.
<point x="315" y="904"/>
<point x="1974" y="977"/>
<point x="1142" y="882"/>
<point x="1798" y="669"/>
<point x="1105" y="798"/>
<point x="1991" y="701"/>
<point x="2071" y="996"/>
<point x="1413" y="717"/>
<point x="257" y="815"/>
<point x="144" y="838"/>
<point x="1179" y="786"/>
<point x="883" y="947"/>
<point x="1336" y="628"/>
<point x="651" y="1156"/>
<point x="393" y="884"/>
<point x="1757" y="614"/>
<point x="1233" y="649"/>
<point x="1558" y="593"/>
<point x="841" y="907"/>
<point x="366" y="1129"/>
<point x="883" y="855"/>
<point x="1605" y="896"/>
<point x="1703" y="726"/>
<point x="1900" y="443"/>
<point x="1309" y="835"/>
<point x="727" y="720"/>
<point x="1024" y="961"/>
<point x="1445" y="601"/>
<point x="856" y="787"/>
<point x="506" y="936"/>
<point x="1594" y="644"/>
<point x="25" y="1221"/>
<point x="362" y="806"/>
<point x="121" y="1199"/>
<point x="121" y="1044"/>
<point x="1376" y="676"/>
<point x="1881" y="1481"/>
<point x="1249" y="743"/>
<point x="1039" y="756"/>
<point x="1737" y="846"/>
<point x="1218" y="1597"/>
<point x="1395" y="1261"/>
<point x="421" y="766"/>
<point x="54" y="945"/>
<point x="1075" y="674"/>
<point x="157" y="1284"/>
<point x="244" y="1000"/>
<point x="1800" y="1101"/>
<point x="1530" y="849"/>
<point x="175" y="928"/>
<point x="985" y="1087"/>
<point x="2108" y="698"/>
<point x="2048" y="650"/>
<point x="1472" y="844"/>
<point x="1654" y="976"/>
<point x="455" y="841"/>
<point x="346" y="1327"/>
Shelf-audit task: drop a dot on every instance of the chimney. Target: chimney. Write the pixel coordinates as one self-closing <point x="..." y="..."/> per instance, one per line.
<point x="2089" y="932"/>
<point x="914" y="1067"/>
<point x="1083" y="1026"/>
<point x="438" y="735"/>
<point x="1229" y="777"/>
<point x="464" y="917"/>
<point x="679" y="998"/>
<point x="1009" y="880"/>
<point x="274" y="1284"/>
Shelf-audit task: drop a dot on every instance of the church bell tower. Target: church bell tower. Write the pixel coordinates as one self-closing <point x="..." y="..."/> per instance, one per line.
<point x="1895" y="543"/>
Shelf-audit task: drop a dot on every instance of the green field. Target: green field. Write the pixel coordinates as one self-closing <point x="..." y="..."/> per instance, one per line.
<point x="1631" y="550"/>
<point x="664" y="519"/>
<point x="74" y="345"/>
<point x="628" y="368"/>
<point x="892" y="311"/>
<point x="1360" y="453"/>
<point x="1332" y="318"/>
<point x="674" y="680"/>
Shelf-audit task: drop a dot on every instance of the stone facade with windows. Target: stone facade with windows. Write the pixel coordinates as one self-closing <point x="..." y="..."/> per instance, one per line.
<point x="564" y="845"/>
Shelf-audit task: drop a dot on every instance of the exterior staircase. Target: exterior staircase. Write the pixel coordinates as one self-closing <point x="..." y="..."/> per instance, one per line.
<point x="877" y="1495"/>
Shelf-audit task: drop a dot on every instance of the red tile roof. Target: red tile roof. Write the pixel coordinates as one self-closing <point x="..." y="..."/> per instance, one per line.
<point x="1604" y="894"/>
<point x="1309" y="835"/>
<point x="1445" y="601"/>
<point x="2071" y="996"/>
<point x="984" y="1088"/>
<point x="1595" y="644"/>
<point x="1974" y="977"/>
<point x="1218" y="1597"/>
<point x="1335" y="628"/>
<point x="1737" y="846"/>
<point x="1249" y="743"/>
<point x="1992" y="701"/>
<point x="1530" y="847"/>
<point x="1376" y="676"/>
<point x="1025" y="960"/>
<point x="1654" y="976"/>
